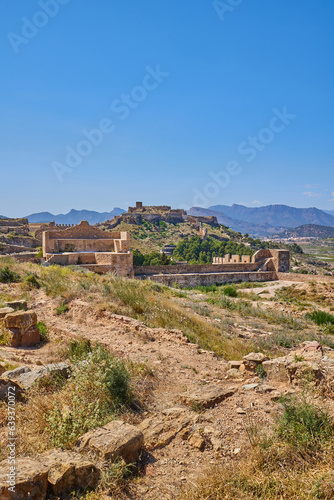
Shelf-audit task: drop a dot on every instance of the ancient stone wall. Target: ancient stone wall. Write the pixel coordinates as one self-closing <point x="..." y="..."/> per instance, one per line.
<point x="84" y="238"/>
<point x="305" y="278"/>
<point x="207" y="279"/>
<point x="196" y="268"/>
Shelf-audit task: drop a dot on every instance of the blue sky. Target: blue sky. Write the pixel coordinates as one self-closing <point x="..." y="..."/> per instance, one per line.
<point x="199" y="102"/>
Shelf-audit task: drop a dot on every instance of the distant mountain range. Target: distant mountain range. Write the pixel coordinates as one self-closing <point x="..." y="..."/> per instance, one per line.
<point x="237" y="225"/>
<point x="75" y="216"/>
<point x="309" y="230"/>
<point x="277" y="215"/>
<point x="265" y="221"/>
<point x="259" y="222"/>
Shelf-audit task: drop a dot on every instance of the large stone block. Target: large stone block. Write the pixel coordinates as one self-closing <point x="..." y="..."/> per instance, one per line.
<point x="207" y="396"/>
<point x="276" y="369"/>
<point x="23" y="320"/>
<point x="30" y="480"/>
<point x="68" y="471"/>
<point x="21" y="329"/>
<point x="115" y="439"/>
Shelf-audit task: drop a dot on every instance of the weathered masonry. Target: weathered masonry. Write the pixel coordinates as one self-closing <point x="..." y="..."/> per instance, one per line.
<point x="265" y="265"/>
<point x="97" y="250"/>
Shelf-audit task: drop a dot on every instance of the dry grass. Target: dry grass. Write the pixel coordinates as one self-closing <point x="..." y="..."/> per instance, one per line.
<point x="251" y="479"/>
<point x="295" y="462"/>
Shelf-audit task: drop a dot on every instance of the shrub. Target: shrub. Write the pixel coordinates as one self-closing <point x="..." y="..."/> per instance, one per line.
<point x="61" y="309"/>
<point x="8" y="276"/>
<point x="43" y="330"/>
<point x="304" y="425"/>
<point x="321" y="317"/>
<point x="79" y="349"/>
<point x="230" y="291"/>
<point x="260" y="371"/>
<point x="98" y="390"/>
<point x="31" y="281"/>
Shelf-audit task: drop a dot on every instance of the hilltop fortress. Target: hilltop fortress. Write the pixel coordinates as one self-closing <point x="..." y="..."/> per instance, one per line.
<point x="156" y="214"/>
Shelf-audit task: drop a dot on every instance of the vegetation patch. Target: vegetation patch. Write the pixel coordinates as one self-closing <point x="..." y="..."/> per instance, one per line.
<point x="8" y="276"/>
<point x="321" y="317"/>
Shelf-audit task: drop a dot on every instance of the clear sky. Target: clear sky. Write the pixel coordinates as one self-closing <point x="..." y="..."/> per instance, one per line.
<point x="197" y="102"/>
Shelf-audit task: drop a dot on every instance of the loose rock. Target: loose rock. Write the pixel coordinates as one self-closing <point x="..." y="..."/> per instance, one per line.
<point x="115" y="439"/>
<point x="207" y="396"/>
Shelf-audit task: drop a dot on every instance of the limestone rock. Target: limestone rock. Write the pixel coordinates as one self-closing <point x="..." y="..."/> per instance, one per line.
<point x="115" y="439"/>
<point x="197" y="441"/>
<point x="234" y="373"/>
<point x="22" y="320"/>
<point x="275" y="369"/>
<point x="31" y="480"/>
<point x="16" y="389"/>
<point x="18" y="305"/>
<point x="256" y="357"/>
<point x="12" y="374"/>
<point x="207" y="396"/>
<point x="234" y="365"/>
<point x="26" y="378"/>
<point x="250" y="387"/>
<point x="21" y="328"/>
<point x="159" y="430"/>
<point x="252" y="360"/>
<point x="68" y="471"/>
<point x="287" y="370"/>
<point x="4" y="311"/>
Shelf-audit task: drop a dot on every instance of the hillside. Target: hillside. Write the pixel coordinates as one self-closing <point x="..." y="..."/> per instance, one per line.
<point x="75" y="216"/>
<point x="276" y="215"/>
<point x="309" y="231"/>
<point x="149" y="237"/>
<point x="198" y="372"/>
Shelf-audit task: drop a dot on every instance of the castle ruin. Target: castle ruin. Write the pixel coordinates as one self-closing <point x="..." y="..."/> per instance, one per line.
<point x="97" y="250"/>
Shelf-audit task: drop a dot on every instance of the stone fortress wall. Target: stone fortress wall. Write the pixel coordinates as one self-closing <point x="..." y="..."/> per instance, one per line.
<point x="265" y="265"/>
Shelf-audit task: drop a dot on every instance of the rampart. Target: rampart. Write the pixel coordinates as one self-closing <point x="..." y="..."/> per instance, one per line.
<point x="207" y="279"/>
<point x="262" y="266"/>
